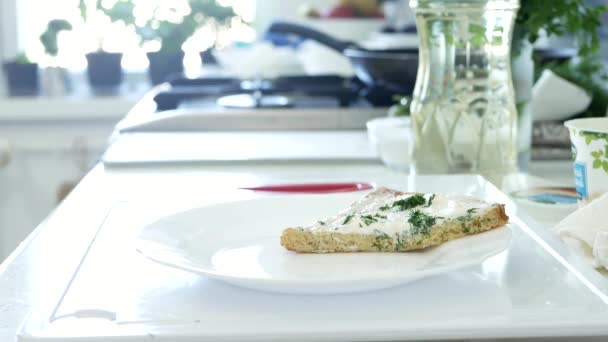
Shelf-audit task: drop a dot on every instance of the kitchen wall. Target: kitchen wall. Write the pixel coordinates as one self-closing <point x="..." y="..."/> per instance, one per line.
<point x="269" y="10"/>
<point x="8" y="40"/>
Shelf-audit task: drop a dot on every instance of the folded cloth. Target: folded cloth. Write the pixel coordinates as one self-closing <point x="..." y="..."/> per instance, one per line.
<point x="586" y="231"/>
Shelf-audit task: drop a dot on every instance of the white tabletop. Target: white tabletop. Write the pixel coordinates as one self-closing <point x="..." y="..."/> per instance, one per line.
<point x="33" y="276"/>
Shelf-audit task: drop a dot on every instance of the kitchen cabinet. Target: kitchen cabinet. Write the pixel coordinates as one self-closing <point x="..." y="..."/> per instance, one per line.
<point x="47" y="144"/>
<point x="44" y="158"/>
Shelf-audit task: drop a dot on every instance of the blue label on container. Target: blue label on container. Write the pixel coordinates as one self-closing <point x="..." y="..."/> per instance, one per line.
<point x="548" y="198"/>
<point x="580" y="179"/>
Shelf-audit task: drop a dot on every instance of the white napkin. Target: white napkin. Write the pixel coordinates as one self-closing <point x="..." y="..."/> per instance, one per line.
<point x="586" y="231"/>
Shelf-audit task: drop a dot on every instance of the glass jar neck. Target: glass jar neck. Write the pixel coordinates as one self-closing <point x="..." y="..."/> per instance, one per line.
<point x="463" y="5"/>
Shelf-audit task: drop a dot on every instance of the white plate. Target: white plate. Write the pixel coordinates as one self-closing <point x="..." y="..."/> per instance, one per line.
<point x="238" y="243"/>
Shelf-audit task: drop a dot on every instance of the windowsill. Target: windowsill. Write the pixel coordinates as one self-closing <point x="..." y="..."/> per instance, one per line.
<point x="77" y="105"/>
<point x="65" y="108"/>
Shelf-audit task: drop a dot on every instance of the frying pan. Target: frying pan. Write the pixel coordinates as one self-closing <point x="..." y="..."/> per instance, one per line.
<point x="391" y="69"/>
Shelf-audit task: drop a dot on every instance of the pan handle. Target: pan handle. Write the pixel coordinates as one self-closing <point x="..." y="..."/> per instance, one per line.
<point x="309" y="33"/>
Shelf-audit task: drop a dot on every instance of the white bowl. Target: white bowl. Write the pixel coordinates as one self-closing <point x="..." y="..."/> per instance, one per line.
<point x="555" y="98"/>
<point x="392" y="139"/>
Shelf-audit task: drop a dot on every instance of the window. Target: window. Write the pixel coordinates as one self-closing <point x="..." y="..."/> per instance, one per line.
<point x="33" y="16"/>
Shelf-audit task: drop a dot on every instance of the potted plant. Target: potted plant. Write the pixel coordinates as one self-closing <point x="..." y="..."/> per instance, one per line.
<point x="212" y="13"/>
<point x="54" y="77"/>
<point x="22" y="76"/>
<point x="104" y="68"/>
<point x="172" y="33"/>
<point x="554" y="18"/>
<point x="169" y="59"/>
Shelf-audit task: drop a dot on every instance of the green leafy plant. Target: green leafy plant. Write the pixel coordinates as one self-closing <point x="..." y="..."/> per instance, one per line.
<point x="575" y="17"/>
<point x="173" y="34"/>
<point x="558" y="17"/>
<point x="401" y="106"/>
<point x="22" y="59"/>
<point x="49" y="37"/>
<point x="120" y="11"/>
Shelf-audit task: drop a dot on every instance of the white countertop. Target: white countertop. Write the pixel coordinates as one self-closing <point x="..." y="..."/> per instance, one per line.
<point x="32" y="277"/>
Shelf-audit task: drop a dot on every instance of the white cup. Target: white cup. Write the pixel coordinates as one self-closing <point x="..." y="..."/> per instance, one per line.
<point x="391" y="137"/>
<point x="589" y="139"/>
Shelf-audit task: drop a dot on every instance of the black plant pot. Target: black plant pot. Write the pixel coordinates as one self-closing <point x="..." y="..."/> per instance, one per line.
<point x="165" y="66"/>
<point x="22" y="79"/>
<point x="104" y="70"/>
<point x="207" y="57"/>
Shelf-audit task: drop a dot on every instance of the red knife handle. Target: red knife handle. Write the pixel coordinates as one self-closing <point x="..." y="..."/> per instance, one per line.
<point x="313" y="188"/>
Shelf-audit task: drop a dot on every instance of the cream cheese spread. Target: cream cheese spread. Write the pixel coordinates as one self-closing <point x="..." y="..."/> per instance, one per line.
<point x="392" y="215"/>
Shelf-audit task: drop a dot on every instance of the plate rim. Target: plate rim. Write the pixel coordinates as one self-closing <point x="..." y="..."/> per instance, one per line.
<point x="146" y="248"/>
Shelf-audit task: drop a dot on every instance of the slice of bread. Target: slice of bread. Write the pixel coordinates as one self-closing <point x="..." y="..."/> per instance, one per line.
<point x="388" y="220"/>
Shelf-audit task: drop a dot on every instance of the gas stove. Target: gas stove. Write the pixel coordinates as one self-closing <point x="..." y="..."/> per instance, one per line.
<point x="205" y="104"/>
<point x="325" y="91"/>
<point x="200" y="120"/>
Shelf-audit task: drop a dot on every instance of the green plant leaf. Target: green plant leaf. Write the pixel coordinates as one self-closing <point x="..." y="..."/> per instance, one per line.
<point x="49" y="37"/>
<point x="22" y="59"/>
<point x="588" y="139"/>
<point x="58" y="25"/>
<point x="172" y="34"/>
<point x="595" y="154"/>
<point x="449" y="38"/>
<point x="121" y="11"/>
<point x="582" y="21"/>
<point x="605" y="166"/>
<point x="82" y="7"/>
<point x="558" y="17"/>
<point x="597" y="164"/>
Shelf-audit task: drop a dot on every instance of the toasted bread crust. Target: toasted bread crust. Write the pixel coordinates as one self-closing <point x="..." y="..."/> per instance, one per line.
<point x="303" y="241"/>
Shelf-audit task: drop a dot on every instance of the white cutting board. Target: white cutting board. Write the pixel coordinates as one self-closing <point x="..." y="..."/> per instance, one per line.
<point x="535" y="288"/>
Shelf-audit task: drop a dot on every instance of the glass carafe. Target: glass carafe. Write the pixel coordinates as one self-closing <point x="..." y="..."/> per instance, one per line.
<point x="463" y="107"/>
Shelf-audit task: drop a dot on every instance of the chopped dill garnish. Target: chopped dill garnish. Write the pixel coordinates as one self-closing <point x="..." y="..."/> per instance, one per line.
<point x="348" y="218"/>
<point x="465" y="220"/>
<point x="468" y="216"/>
<point x="368" y="219"/>
<point x="421" y="222"/>
<point x="428" y="204"/>
<point x="410" y="202"/>
<point x="382" y="241"/>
